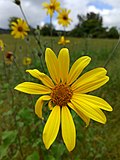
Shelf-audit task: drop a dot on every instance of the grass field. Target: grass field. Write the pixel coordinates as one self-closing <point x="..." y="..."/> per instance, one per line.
<point x="21" y="130"/>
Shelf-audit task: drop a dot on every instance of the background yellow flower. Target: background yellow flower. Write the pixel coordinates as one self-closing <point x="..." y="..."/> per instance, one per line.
<point x="1" y="45"/>
<point x="19" y="29"/>
<point x="63" y="17"/>
<point x="8" y="57"/>
<point x="27" y="61"/>
<point x="63" y="41"/>
<point x="51" y="7"/>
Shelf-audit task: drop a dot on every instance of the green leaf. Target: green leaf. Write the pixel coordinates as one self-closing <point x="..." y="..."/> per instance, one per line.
<point x="3" y="150"/>
<point x="33" y="156"/>
<point x="36" y="143"/>
<point x="8" y="138"/>
<point x="49" y="157"/>
<point x="26" y="114"/>
<point x="58" y="150"/>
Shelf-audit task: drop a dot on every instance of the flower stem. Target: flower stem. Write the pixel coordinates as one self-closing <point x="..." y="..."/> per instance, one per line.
<point x="38" y="41"/>
<point x="51" y="31"/>
<point x="112" y="53"/>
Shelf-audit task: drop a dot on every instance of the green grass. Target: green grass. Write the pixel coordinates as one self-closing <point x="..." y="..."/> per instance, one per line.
<point x="20" y="127"/>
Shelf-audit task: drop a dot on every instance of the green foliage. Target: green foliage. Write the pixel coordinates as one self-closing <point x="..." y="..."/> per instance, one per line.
<point x="46" y="30"/>
<point x="113" y="33"/>
<point x="91" y="25"/>
<point x="33" y="156"/>
<point x="8" y="138"/>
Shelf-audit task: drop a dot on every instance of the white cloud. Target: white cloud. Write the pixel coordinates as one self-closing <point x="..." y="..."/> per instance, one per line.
<point x="110" y="17"/>
<point x="36" y="15"/>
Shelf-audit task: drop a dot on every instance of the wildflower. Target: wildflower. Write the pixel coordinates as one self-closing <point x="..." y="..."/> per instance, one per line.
<point x="1" y="45"/>
<point x="8" y="57"/>
<point x="27" y="61"/>
<point x="63" y="17"/>
<point x="17" y="2"/>
<point x="19" y="29"/>
<point x="64" y="90"/>
<point x="63" y="41"/>
<point x="52" y="7"/>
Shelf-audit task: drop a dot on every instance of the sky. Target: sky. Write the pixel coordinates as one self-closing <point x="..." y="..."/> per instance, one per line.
<point x="36" y="15"/>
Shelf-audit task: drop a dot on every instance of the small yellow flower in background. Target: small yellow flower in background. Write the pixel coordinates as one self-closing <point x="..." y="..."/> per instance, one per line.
<point x="1" y="45"/>
<point x="51" y="7"/>
<point x="27" y="61"/>
<point x="63" y="41"/>
<point x="64" y="90"/>
<point x="63" y="17"/>
<point x="19" y="29"/>
<point x="8" y="57"/>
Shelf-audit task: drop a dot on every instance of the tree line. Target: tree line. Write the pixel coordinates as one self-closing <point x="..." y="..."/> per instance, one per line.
<point x="89" y="25"/>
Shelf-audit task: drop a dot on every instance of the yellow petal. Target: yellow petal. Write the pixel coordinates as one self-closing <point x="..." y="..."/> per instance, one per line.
<point x="94" y="101"/>
<point x="92" y="85"/>
<point x="90" y="81"/>
<point x="77" y="68"/>
<point x="39" y="104"/>
<point x="45" y="5"/>
<point x="67" y="41"/>
<point x="32" y="88"/>
<point x="50" y="105"/>
<point x="80" y="114"/>
<point x="68" y="129"/>
<point x="90" y="111"/>
<point x="52" y="65"/>
<point x="41" y="76"/>
<point x="14" y="23"/>
<point x="64" y="61"/>
<point x="51" y="127"/>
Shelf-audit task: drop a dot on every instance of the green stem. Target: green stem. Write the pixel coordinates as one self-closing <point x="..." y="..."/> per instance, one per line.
<point x="38" y="41"/>
<point x="51" y="31"/>
<point x="64" y="33"/>
<point x="112" y="53"/>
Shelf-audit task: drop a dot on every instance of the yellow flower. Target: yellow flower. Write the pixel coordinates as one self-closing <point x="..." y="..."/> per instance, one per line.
<point x="27" y="61"/>
<point x="63" y="17"/>
<point x="63" y="41"/>
<point x="52" y="7"/>
<point x="19" y="29"/>
<point x="1" y="45"/>
<point x="8" y="57"/>
<point x="64" y="90"/>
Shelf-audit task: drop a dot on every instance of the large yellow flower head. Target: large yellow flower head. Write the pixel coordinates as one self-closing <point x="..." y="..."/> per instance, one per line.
<point x="19" y="29"/>
<point x="1" y="45"/>
<point x="63" y="17"/>
<point x="51" y="7"/>
<point x="66" y="90"/>
<point x="63" y="41"/>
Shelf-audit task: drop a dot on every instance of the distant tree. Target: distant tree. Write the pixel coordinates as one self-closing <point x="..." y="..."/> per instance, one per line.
<point x="46" y="30"/>
<point x="89" y="25"/>
<point x="113" y="33"/>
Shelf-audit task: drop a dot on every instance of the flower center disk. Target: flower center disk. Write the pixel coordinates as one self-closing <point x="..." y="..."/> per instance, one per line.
<point x="52" y="7"/>
<point x="20" y="29"/>
<point x="61" y="94"/>
<point x="65" y="17"/>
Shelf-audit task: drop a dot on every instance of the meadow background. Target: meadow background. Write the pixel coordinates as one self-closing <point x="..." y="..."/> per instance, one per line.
<point x="21" y="130"/>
